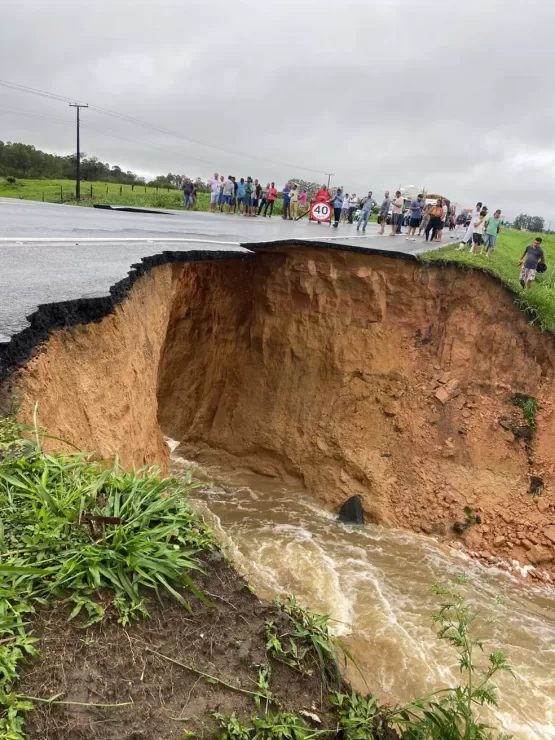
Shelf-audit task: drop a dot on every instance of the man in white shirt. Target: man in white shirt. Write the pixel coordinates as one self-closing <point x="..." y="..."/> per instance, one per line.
<point x="214" y="185"/>
<point x="467" y="238"/>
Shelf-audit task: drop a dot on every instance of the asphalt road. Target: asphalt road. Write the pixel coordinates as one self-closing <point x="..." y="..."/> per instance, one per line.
<point x="53" y="253"/>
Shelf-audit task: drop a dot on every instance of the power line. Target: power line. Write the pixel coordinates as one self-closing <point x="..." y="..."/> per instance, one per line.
<point x="154" y="127"/>
<point x="129" y="139"/>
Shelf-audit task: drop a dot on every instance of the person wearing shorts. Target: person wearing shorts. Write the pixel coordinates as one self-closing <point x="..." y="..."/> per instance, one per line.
<point x="434" y="222"/>
<point x="478" y="233"/>
<point x="227" y="193"/>
<point x="416" y="208"/>
<point x="241" y="195"/>
<point x="528" y="262"/>
<point x="493" y="224"/>
<point x="214" y="185"/>
<point x="221" y="193"/>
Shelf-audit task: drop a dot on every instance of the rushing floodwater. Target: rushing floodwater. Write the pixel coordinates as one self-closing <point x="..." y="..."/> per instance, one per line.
<point x="376" y="583"/>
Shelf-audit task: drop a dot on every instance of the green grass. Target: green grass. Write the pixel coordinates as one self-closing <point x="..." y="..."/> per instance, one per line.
<point x="142" y="196"/>
<point x="539" y="302"/>
<point x="72" y="527"/>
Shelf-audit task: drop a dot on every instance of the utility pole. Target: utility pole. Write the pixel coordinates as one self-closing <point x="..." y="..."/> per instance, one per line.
<point x="78" y="159"/>
<point x="329" y="174"/>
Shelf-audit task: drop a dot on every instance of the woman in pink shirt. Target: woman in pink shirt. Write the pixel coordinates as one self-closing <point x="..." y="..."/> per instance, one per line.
<point x="302" y="199"/>
<point x="396" y="212"/>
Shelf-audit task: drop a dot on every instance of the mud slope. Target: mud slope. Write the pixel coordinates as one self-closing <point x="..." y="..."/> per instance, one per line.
<point x="344" y="372"/>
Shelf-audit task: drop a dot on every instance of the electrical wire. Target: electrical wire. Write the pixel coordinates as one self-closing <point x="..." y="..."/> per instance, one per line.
<point x="155" y="127"/>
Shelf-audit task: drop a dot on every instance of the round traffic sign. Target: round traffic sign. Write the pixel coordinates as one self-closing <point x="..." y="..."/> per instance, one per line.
<point x="320" y="211"/>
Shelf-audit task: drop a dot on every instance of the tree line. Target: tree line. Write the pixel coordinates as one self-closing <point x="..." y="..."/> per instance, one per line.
<point x="26" y="162"/>
<point x="531" y="223"/>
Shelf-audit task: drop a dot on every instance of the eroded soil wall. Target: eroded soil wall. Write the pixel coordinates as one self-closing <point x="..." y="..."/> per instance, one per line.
<point x="346" y="373"/>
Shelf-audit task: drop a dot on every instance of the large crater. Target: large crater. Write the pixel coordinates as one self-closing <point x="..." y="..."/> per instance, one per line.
<point x="343" y="372"/>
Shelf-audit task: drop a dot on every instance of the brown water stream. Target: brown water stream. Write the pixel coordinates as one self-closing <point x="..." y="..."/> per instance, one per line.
<point x="376" y="583"/>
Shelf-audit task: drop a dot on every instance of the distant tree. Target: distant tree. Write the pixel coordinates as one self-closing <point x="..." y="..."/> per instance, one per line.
<point x="522" y="221"/>
<point x="24" y="161"/>
<point x="537" y="224"/>
<point x="310" y="187"/>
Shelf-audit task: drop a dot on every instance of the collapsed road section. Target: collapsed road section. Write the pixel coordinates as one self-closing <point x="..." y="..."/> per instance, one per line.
<point x="348" y="373"/>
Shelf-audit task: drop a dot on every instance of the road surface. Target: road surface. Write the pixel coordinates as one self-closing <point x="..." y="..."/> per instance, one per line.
<point x="53" y="253"/>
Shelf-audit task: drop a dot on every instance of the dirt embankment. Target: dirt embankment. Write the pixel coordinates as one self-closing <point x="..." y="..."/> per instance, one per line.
<point x="343" y="372"/>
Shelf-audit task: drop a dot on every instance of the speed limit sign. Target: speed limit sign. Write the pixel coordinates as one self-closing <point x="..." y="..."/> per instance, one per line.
<point x="320" y="211"/>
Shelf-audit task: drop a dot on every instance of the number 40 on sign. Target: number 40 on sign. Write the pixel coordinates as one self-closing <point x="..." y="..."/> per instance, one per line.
<point x="320" y="211"/>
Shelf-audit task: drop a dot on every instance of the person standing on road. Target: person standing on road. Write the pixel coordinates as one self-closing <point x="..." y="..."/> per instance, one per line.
<point x="221" y="193"/>
<point x="323" y="195"/>
<point x="228" y="191"/>
<point x="263" y="198"/>
<point x="436" y="214"/>
<point x="241" y="191"/>
<point x="531" y="257"/>
<point x="303" y="199"/>
<point x="345" y="209"/>
<point x="214" y="185"/>
<point x="493" y="224"/>
<point x="338" y="200"/>
<point x="441" y="226"/>
<point x="353" y="205"/>
<point x="396" y="212"/>
<point x="365" y="212"/>
<point x="249" y="190"/>
<point x="294" y="205"/>
<point x="416" y="208"/>
<point x="270" y="199"/>
<point x="256" y="197"/>
<point x="233" y="203"/>
<point x="286" y="192"/>
<point x="426" y="216"/>
<point x="384" y="211"/>
<point x="188" y="188"/>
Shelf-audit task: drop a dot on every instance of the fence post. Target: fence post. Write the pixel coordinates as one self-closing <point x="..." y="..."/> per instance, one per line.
<point x="43" y="196"/>
<point x="121" y="189"/>
<point x="61" y="193"/>
<point x="132" y="187"/>
<point x="91" y="191"/>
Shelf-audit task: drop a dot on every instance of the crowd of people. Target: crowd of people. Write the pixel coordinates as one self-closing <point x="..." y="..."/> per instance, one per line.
<point x="247" y="197"/>
<point x="477" y="231"/>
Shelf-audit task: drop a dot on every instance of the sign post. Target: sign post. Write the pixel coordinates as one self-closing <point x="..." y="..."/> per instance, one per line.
<point x="320" y="211"/>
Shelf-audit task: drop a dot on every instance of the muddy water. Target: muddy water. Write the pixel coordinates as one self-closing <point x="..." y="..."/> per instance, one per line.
<point x="376" y="584"/>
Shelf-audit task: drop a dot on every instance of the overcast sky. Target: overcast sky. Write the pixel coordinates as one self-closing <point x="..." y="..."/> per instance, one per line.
<point x="456" y="97"/>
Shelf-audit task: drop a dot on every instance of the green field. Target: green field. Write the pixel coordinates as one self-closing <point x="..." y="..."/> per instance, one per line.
<point x="143" y="196"/>
<point x="540" y="300"/>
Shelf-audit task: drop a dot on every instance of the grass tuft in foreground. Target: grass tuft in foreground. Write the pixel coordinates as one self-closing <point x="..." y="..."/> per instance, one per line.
<point x="539" y="302"/>
<point x="86" y="532"/>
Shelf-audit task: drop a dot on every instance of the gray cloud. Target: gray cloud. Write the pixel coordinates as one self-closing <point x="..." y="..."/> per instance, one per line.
<point x="451" y="96"/>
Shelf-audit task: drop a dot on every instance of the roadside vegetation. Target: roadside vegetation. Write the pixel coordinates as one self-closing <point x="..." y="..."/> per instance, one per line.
<point x="97" y="542"/>
<point x="117" y="194"/>
<point x="539" y="302"/>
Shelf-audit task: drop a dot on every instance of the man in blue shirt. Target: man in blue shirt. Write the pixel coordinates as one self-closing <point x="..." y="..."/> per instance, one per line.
<point x="367" y="206"/>
<point x="286" y="201"/>
<point x="338" y="199"/>
<point x="416" y="209"/>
